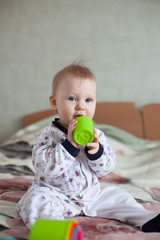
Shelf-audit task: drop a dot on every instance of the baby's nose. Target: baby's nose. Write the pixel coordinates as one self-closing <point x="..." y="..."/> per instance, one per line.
<point x="80" y="106"/>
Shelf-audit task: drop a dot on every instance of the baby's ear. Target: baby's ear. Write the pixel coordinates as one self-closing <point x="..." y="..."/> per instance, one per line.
<point x="52" y="100"/>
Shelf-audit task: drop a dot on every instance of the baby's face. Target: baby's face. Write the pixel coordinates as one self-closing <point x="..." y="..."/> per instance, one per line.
<point x="75" y="97"/>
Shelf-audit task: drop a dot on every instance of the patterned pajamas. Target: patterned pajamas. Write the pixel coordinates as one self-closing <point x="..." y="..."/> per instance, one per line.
<point x="66" y="183"/>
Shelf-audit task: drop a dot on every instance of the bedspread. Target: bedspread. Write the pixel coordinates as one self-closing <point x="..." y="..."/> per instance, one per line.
<point x="137" y="172"/>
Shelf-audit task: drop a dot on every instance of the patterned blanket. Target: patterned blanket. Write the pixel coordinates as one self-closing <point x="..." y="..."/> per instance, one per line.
<point x="137" y="172"/>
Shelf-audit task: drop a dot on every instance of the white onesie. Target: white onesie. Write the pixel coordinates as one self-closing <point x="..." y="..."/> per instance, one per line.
<point x="66" y="183"/>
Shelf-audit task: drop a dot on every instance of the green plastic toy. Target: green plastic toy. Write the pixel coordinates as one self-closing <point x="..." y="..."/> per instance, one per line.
<point x="83" y="132"/>
<point x="47" y="229"/>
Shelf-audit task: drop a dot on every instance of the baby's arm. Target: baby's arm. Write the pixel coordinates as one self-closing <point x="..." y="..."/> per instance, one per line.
<point x="104" y="160"/>
<point x="71" y="127"/>
<point x="53" y="155"/>
<point x="93" y="147"/>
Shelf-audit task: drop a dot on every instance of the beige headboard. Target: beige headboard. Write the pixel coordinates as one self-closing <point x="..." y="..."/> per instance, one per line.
<point x="123" y="115"/>
<point x="151" y="121"/>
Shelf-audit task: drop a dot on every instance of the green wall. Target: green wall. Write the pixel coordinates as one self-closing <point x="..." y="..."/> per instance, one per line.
<point x="119" y="38"/>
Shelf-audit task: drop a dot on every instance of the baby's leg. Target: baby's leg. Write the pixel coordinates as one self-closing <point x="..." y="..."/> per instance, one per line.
<point x="116" y="203"/>
<point x="47" y="204"/>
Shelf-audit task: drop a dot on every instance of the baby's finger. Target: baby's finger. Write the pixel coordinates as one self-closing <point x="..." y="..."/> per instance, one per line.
<point x="96" y="138"/>
<point x="72" y="124"/>
<point x="92" y="145"/>
<point x="92" y="148"/>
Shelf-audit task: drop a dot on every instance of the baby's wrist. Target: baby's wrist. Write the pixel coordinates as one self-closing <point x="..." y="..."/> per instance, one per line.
<point x="94" y="155"/>
<point x="70" y="147"/>
<point x="73" y="142"/>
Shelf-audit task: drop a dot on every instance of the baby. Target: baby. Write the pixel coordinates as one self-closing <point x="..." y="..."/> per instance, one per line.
<point x="66" y="180"/>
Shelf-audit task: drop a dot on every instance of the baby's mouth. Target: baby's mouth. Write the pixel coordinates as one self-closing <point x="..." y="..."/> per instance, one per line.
<point x="79" y="115"/>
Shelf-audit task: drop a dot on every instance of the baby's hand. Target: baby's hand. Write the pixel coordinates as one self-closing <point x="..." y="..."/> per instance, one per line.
<point x="71" y="128"/>
<point x="93" y="146"/>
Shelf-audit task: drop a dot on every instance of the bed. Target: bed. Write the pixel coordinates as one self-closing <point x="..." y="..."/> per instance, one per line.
<point x="135" y="138"/>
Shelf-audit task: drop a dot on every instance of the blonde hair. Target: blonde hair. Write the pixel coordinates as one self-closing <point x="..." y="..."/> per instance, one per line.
<point x="77" y="70"/>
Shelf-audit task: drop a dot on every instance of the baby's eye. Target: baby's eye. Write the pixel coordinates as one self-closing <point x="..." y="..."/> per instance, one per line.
<point x="72" y="99"/>
<point x="88" y="100"/>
